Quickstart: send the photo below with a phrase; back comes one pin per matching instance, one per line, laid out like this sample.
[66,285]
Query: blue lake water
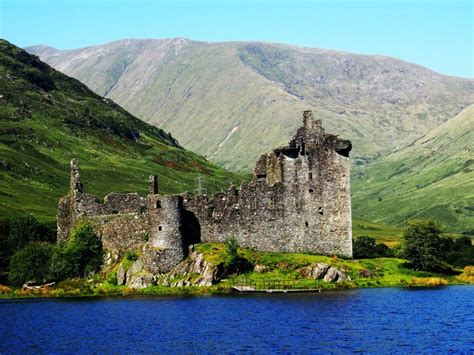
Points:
[387,320]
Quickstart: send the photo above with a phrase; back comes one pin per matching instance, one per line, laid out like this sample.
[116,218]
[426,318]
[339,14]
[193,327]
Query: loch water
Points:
[388,320]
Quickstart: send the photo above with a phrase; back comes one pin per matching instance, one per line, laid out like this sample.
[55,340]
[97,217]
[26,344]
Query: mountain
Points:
[431,178]
[233,101]
[47,118]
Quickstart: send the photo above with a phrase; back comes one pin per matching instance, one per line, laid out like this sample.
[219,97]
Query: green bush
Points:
[81,256]
[233,262]
[365,247]
[32,263]
[423,246]
[460,252]
[23,230]
[112,278]
[131,255]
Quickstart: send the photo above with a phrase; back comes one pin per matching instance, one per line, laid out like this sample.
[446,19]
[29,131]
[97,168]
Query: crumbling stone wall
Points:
[123,221]
[120,233]
[297,201]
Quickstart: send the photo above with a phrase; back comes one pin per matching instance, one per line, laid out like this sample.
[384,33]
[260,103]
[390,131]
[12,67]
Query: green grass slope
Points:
[47,118]
[231,101]
[431,178]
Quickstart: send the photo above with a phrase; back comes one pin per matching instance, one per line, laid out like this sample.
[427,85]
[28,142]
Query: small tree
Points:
[27,229]
[365,247]
[231,254]
[32,263]
[422,245]
[234,263]
[81,255]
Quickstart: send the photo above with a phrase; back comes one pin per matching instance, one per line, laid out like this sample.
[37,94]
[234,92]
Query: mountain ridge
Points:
[380,103]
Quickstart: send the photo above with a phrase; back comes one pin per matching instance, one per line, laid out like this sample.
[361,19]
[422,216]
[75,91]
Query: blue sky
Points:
[436,34]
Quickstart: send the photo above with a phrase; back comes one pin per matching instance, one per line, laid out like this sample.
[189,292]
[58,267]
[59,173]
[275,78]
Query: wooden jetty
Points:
[250,289]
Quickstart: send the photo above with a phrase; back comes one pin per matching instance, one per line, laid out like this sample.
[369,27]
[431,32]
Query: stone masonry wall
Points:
[298,201]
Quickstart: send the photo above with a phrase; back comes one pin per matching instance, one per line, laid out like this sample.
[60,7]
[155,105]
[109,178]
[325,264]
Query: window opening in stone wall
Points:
[306,224]
[114,211]
[142,209]
[160,228]
[320,210]
[310,175]
[311,190]
[158,204]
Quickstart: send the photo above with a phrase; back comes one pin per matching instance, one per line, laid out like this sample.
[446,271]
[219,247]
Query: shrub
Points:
[32,263]
[27,229]
[460,252]
[423,246]
[82,255]
[365,247]
[131,255]
[233,262]
[112,278]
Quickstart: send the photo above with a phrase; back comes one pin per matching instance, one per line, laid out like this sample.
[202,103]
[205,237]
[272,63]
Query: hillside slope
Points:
[47,118]
[431,178]
[232,101]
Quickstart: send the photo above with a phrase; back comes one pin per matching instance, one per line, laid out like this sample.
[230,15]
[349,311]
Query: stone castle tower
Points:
[297,201]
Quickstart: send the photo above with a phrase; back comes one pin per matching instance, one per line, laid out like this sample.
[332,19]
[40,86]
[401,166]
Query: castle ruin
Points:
[298,201]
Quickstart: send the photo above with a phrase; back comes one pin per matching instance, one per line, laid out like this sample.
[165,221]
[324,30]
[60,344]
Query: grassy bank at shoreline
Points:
[364,273]
[222,289]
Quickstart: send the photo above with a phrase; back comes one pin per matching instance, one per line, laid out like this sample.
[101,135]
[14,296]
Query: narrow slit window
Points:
[320,210]
[158,204]
[306,224]
[160,228]
[310,175]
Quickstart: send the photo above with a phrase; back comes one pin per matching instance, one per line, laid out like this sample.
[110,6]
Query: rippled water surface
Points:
[371,320]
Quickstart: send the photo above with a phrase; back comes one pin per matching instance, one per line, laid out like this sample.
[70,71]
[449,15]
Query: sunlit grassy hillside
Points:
[431,178]
[47,118]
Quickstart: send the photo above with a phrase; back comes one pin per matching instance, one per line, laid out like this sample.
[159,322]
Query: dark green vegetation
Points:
[425,248]
[47,118]
[39,259]
[80,257]
[431,178]
[235,263]
[366,247]
[32,263]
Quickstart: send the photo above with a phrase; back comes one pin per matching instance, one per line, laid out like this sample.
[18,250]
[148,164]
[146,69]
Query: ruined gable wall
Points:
[65,218]
[299,200]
